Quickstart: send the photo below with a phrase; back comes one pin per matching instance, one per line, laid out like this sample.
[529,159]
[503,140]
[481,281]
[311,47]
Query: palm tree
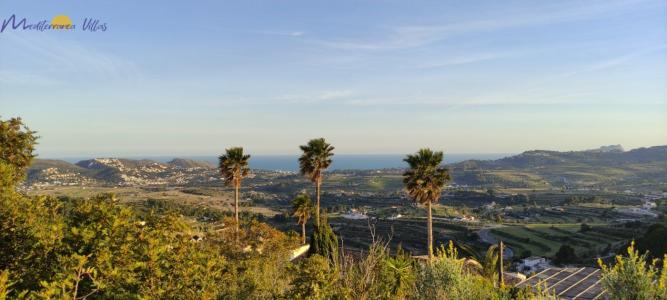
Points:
[233,167]
[302,208]
[424,182]
[490,264]
[315,159]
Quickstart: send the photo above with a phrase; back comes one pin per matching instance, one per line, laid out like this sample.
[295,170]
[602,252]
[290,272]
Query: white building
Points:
[354,214]
[533,263]
[637,211]
[649,205]
[490,206]
[394,217]
[467,219]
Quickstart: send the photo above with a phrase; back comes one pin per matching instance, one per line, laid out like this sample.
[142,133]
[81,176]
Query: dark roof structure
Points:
[569,283]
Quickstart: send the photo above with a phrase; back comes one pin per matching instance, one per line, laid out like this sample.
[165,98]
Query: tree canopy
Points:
[425,178]
[316,158]
[17,143]
[234,165]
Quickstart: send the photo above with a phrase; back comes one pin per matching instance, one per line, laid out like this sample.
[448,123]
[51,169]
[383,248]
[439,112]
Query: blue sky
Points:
[191,78]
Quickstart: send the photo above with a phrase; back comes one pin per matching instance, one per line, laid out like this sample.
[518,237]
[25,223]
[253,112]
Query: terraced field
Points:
[365,183]
[546,239]
[571,214]
[409,233]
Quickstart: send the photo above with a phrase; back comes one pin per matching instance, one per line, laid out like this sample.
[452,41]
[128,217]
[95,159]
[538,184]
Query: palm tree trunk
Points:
[236,207]
[318,185]
[303,233]
[501,279]
[430,232]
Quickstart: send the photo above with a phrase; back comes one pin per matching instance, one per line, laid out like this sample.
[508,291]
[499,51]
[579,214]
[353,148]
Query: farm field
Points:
[546,239]
[410,234]
[581,213]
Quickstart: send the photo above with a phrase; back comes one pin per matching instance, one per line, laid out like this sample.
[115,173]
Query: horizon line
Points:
[260,154]
[38,155]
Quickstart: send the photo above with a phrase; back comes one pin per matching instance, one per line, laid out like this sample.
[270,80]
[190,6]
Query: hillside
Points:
[188,163]
[591,168]
[122,172]
[59,172]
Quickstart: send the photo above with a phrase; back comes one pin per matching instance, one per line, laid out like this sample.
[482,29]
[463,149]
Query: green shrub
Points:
[565,255]
[4,284]
[653,241]
[378,275]
[315,279]
[324,242]
[446,278]
[632,277]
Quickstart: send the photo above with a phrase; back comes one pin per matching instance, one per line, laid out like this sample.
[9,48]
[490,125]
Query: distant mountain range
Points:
[607,166]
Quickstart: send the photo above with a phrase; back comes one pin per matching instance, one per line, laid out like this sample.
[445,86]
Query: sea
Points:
[340,161]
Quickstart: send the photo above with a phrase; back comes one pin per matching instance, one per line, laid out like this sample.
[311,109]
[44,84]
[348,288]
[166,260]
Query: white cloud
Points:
[282,33]
[615,61]
[317,97]
[16,77]
[417,100]
[68,59]
[411,36]
[461,60]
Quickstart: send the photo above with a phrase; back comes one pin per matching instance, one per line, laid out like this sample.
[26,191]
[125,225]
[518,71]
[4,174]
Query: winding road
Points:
[486,236]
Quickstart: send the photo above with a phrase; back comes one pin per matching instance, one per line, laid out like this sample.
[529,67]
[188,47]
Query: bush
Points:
[565,255]
[632,277]
[447,278]
[67,248]
[4,284]
[314,279]
[653,241]
[378,275]
[584,227]
[324,242]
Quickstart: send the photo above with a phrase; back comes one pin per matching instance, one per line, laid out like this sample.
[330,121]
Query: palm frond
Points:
[425,179]
[316,158]
[302,207]
[233,165]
